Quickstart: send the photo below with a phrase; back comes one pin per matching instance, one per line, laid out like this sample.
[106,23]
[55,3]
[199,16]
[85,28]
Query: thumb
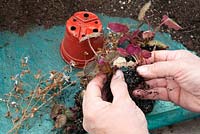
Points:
[159,69]
[118,86]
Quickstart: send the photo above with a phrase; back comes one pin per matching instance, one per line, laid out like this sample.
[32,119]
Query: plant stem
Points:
[92,47]
[23,118]
[8,102]
[158,27]
[139,25]
[53,96]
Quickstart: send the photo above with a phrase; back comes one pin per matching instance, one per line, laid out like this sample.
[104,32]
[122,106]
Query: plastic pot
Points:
[78,26]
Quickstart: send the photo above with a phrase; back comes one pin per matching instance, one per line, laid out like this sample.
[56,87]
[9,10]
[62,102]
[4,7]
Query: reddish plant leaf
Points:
[135,33]
[146,54]
[118,27]
[101,61]
[122,52]
[170,23]
[133,49]
[148,34]
[124,38]
[134,41]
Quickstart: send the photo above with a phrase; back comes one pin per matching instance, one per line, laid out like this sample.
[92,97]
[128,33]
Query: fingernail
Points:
[118,75]
[142,70]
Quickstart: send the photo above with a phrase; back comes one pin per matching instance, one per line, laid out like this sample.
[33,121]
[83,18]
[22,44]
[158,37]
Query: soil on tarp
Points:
[20,15]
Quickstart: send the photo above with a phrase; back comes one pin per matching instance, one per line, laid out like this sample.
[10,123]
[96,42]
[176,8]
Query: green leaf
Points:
[91,68]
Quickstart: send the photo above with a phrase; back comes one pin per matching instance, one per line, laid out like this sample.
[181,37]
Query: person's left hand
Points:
[122,116]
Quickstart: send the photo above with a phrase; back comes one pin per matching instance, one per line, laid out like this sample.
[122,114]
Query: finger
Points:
[119,87]
[160,82]
[93,90]
[159,93]
[164,55]
[170,93]
[92,95]
[160,69]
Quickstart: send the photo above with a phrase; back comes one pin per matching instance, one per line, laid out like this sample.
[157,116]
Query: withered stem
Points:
[92,47]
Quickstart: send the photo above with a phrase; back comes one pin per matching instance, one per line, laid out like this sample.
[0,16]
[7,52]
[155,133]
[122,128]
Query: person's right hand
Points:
[172,76]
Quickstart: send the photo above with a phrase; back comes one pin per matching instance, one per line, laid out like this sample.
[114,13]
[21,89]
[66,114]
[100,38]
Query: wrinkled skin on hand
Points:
[173,76]
[122,116]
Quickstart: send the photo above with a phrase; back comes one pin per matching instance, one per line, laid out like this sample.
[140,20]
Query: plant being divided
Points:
[125,50]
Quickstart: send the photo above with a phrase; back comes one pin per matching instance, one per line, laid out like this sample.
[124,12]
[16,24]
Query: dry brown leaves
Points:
[143,11]
[24,101]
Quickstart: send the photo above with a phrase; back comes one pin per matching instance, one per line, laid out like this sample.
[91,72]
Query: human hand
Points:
[122,116]
[173,76]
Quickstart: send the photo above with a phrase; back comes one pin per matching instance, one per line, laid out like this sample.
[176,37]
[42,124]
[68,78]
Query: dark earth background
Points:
[19,15]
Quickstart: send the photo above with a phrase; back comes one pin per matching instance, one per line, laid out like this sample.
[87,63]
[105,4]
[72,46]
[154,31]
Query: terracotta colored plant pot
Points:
[78,26]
